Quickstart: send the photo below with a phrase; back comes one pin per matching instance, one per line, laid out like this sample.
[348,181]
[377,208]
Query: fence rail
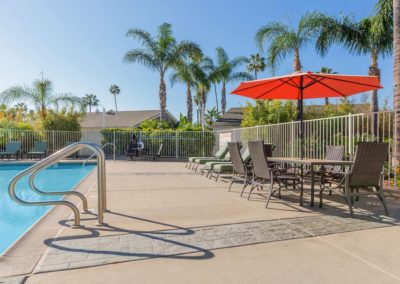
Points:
[176,144]
[345,130]
[342,130]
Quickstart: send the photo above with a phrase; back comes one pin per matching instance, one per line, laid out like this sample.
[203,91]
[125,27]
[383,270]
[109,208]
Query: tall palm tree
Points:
[41,95]
[225,72]
[364,37]
[203,76]
[396,73]
[91,100]
[256,64]
[285,39]
[114,90]
[184,73]
[326,70]
[160,53]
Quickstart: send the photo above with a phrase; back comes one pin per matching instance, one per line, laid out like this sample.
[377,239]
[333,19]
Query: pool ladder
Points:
[53,159]
[102,147]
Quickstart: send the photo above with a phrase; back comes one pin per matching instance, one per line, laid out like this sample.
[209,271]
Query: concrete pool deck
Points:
[170,225]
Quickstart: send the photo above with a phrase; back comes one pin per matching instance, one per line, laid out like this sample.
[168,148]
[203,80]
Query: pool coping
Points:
[54,211]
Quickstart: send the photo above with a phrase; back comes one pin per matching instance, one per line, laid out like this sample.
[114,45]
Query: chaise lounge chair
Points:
[203,161]
[218,155]
[40,149]
[12,149]
[217,168]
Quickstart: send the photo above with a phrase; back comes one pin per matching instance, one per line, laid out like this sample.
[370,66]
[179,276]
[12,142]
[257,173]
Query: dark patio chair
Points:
[366,173]
[155,154]
[241,170]
[264,174]
[12,149]
[40,149]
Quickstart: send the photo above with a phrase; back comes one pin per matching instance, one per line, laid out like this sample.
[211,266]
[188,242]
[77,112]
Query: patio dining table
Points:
[311,163]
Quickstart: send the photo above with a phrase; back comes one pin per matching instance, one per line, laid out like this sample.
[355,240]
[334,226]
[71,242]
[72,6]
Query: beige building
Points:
[121,119]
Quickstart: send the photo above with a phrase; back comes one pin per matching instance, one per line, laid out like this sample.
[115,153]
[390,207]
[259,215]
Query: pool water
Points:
[16,219]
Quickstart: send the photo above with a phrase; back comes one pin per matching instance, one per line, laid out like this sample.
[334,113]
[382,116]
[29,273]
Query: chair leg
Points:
[271,192]
[216,179]
[349,201]
[382,199]
[250,192]
[321,196]
[230,185]
[245,184]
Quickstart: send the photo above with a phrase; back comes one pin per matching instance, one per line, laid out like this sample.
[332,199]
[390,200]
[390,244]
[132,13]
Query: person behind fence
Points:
[133,148]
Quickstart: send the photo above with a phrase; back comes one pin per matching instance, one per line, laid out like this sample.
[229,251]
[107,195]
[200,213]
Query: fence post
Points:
[293,138]
[351,138]
[176,145]
[52,138]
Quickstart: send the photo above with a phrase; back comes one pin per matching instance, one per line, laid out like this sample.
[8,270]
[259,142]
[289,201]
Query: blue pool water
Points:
[16,219]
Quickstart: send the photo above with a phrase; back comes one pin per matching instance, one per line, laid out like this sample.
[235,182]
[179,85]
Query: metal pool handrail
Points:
[59,155]
[102,147]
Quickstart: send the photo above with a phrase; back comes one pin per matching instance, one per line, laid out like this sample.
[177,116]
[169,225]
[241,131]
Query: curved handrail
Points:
[63,153]
[102,147]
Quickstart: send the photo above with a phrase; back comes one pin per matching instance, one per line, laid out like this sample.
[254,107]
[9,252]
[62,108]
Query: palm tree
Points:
[284,39]
[184,74]
[256,64]
[396,73]
[364,37]
[212,115]
[225,72]
[114,90]
[91,100]
[203,76]
[160,53]
[41,95]
[326,70]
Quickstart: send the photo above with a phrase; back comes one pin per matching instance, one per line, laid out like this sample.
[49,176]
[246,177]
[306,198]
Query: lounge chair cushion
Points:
[211,165]
[222,152]
[223,168]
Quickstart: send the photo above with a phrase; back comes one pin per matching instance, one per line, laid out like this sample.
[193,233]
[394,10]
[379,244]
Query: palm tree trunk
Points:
[326,101]
[189,103]
[255,74]
[396,76]
[297,68]
[163,97]
[115,102]
[223,98]
[216,96]
[90,108]
[203,111]
[374,71]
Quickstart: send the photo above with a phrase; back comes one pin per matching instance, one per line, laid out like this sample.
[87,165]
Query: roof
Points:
[121,119]
[233,117]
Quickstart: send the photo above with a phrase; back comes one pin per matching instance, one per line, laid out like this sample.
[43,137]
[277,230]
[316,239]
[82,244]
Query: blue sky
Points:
[80,44]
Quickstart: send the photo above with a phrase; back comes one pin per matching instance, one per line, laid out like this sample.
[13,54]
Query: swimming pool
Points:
[16,219]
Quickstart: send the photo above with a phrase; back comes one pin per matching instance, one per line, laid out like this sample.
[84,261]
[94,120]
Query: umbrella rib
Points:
[273,89]
[254,86]
[314,81]
[291,79]
[351,82]
[329,87]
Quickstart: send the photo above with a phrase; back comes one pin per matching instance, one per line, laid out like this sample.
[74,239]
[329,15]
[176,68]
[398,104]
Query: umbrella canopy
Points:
[307,85]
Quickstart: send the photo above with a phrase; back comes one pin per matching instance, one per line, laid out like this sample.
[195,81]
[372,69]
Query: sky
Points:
[80,45]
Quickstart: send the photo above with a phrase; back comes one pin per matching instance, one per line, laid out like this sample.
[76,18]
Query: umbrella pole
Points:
[301,120]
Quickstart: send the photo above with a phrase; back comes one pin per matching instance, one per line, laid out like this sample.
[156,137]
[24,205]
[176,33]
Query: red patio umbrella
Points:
[307,85]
